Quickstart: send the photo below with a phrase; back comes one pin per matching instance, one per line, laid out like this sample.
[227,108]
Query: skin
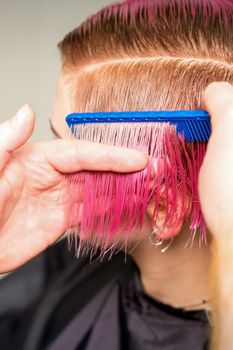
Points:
[177,277]
[31,182]
[216,195]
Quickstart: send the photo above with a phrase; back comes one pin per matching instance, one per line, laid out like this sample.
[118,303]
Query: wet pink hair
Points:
[143,55]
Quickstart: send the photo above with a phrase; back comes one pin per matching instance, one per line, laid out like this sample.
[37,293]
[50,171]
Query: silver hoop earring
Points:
[157,241]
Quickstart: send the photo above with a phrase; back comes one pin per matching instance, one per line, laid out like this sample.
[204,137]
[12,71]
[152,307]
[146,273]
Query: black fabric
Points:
[22,291]
[154,325]
[64,303]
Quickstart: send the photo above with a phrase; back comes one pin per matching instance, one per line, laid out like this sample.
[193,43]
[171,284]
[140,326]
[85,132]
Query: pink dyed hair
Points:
[144,55]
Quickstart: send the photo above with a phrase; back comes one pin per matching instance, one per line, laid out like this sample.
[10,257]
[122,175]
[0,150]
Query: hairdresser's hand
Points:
[216,176]
[32,185]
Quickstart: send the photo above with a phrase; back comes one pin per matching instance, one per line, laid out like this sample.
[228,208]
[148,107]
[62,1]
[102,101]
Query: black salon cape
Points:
[58,302]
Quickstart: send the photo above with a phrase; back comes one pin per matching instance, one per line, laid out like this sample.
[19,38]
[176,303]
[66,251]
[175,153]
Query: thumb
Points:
[15,132]
[218,100]
[215,178]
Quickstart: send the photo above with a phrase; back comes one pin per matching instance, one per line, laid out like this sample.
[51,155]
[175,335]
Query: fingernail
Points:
[20,116]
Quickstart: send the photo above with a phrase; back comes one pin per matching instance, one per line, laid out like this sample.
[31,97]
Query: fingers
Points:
[69,156]
[218,99]
[215,178]
[15,132]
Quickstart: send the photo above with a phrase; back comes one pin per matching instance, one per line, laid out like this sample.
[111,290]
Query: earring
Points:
[157,241]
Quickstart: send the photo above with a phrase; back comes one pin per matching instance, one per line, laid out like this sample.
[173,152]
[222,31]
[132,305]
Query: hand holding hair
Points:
[216,196]
[215,179]
[32,184]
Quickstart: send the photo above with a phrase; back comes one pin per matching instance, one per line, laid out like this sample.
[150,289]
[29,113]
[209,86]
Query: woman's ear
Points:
[173,225]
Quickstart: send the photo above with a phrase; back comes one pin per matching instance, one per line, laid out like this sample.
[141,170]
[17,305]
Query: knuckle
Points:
[78,155]
[81,154]
[108,157]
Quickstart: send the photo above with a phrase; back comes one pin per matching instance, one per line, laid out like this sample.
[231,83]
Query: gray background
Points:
[29,59]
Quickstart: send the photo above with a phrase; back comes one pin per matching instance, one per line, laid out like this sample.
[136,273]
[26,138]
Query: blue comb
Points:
[195,124]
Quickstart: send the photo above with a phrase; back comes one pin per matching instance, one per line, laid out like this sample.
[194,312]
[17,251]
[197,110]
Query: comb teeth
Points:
[194,130]
[195,125]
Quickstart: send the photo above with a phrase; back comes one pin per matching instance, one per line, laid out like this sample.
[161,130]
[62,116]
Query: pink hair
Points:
[144,55]
[102,205]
